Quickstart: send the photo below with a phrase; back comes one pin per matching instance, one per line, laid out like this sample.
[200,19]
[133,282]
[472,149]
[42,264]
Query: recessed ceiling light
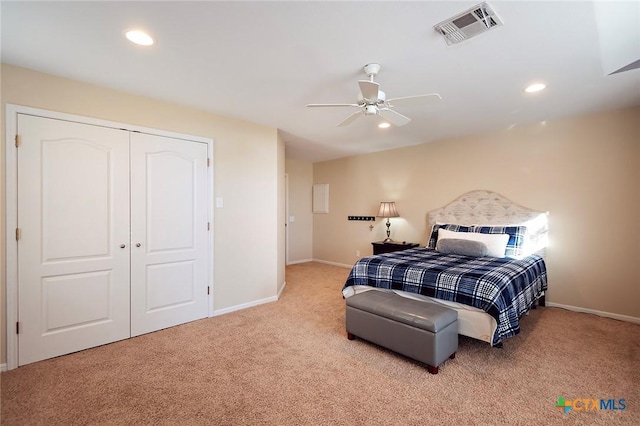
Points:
[535,88]
[139,37]
[384,125]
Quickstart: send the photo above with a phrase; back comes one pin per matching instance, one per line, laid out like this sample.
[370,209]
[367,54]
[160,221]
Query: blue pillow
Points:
[516,237]
[433,239]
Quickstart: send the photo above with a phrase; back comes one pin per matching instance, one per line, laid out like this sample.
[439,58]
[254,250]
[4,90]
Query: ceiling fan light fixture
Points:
[536,87]
[384,125]
[373,101]
[139,37]
[371,110]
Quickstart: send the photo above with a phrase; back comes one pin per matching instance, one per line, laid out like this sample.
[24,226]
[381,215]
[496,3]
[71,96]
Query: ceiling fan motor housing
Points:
[380,99]
[371,110]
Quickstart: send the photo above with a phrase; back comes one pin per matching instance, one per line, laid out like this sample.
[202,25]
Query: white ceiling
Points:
[264,61]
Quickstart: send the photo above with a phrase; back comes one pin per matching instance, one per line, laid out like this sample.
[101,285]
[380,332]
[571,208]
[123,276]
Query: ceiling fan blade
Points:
[350,118]
[331,105]
[393,117]
[369,89]
[415,100]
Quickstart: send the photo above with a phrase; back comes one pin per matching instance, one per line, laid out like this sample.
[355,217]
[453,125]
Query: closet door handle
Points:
[123,245]
[138,244]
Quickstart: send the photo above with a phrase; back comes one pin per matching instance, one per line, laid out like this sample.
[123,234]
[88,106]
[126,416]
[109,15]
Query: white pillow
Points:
[496,243]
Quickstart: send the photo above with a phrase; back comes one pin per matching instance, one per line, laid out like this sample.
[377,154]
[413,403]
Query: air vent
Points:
[469,23]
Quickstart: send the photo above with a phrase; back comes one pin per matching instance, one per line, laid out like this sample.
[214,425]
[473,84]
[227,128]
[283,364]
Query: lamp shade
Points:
[388,209]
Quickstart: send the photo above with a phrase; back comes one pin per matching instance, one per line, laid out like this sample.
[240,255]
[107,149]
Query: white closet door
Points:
[73,214]
[168,232]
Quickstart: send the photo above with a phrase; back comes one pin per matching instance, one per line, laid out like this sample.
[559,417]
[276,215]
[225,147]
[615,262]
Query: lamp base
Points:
[388,239]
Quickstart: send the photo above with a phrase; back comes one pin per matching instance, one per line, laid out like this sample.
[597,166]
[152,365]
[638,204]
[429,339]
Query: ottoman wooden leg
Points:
[432,370]
[453,355]
[350,336]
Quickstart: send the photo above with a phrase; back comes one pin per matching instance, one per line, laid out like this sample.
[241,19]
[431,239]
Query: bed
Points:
[490,293]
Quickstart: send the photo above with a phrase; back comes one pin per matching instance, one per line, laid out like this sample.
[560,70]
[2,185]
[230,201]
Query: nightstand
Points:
[380,247]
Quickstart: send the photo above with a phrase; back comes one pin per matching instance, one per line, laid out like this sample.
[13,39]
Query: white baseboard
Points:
[3,367]
[626,318]
[245,306]
[342,265]
[295,262]
[284,284]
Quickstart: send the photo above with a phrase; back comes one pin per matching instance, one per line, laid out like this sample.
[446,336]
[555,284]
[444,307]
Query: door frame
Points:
[286,219]
[11,206]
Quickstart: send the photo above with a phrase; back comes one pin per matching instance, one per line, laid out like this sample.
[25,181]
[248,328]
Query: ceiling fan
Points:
[372,101]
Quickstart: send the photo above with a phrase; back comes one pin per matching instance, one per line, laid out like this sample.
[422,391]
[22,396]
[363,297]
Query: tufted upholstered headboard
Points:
[483,207]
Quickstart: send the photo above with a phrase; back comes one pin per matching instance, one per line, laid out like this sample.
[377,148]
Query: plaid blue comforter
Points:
[505,288]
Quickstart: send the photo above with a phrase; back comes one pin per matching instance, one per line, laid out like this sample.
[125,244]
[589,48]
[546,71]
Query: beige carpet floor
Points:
[290,363]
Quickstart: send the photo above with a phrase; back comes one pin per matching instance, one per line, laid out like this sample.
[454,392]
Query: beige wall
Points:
[248,165]
[300,242]
[585,171]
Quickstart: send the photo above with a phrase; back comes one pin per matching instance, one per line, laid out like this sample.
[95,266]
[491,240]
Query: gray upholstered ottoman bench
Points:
[421,330]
